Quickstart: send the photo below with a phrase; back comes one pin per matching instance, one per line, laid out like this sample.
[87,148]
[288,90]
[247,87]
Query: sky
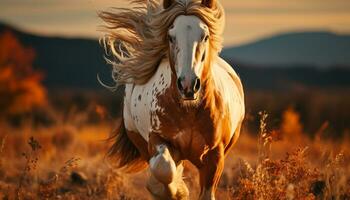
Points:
[246,20]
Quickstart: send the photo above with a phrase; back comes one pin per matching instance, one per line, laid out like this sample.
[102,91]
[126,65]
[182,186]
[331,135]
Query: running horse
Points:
[182,101]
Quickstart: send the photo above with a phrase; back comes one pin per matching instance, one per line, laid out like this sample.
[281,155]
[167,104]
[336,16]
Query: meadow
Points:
[60,153]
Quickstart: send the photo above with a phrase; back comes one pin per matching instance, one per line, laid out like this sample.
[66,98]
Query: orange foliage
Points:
[20,84]
[101,111]
[291,126]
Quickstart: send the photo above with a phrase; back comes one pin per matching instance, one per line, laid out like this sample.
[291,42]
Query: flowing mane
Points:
[136,38]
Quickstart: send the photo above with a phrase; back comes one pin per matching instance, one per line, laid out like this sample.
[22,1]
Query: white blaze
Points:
[188,33]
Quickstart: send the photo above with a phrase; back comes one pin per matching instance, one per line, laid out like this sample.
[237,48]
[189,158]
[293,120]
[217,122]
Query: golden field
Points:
[68,160]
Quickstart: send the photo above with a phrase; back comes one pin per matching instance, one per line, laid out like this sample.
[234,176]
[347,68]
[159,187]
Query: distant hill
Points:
[322,49]
[66,62]
[75,62]
[292,78]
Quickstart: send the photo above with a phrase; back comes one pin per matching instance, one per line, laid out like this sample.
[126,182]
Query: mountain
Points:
[289,78]
[74,63]
[322,49]
[66,62]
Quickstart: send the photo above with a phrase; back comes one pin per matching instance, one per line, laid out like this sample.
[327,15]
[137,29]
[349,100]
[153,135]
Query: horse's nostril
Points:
[197,85]
[179,84]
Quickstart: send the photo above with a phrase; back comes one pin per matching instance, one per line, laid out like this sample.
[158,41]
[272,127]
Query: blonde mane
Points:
[136,38]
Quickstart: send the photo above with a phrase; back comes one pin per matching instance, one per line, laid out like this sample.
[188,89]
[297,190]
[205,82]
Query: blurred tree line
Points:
[21,88]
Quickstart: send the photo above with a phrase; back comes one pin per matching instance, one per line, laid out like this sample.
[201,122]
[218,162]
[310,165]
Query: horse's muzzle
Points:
[188,88]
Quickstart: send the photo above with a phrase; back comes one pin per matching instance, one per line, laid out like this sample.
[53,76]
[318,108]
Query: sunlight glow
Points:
[247,20]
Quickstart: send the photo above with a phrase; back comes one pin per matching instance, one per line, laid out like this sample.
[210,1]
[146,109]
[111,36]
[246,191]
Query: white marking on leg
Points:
[162,165]
[207,194]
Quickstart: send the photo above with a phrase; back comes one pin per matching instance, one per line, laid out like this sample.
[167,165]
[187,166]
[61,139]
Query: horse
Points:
[182,101]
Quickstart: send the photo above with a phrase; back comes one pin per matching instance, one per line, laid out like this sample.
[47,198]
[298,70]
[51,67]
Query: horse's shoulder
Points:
[223,66]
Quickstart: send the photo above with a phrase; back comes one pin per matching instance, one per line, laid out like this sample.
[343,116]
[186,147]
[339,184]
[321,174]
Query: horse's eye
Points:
[203,57]
[206,38]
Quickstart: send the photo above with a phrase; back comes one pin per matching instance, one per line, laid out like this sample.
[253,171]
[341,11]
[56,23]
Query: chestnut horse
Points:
[182,101]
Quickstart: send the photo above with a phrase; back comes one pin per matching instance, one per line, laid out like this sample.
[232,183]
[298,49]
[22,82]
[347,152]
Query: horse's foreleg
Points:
[175,190]
[210,172]
[162,165]
[166,173]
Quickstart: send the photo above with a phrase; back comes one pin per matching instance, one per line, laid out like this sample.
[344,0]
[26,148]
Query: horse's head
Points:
[188,49]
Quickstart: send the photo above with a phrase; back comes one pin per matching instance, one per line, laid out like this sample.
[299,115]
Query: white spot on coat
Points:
[146,109]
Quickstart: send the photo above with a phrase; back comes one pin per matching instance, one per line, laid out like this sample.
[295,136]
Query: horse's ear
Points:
[167,3]
[208,3]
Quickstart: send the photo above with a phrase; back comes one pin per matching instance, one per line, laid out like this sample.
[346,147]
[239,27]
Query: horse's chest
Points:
[179,123]
[191,133]
[162,115]
[155,112]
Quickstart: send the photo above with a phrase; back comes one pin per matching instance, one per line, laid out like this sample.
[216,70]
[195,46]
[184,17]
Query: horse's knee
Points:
[176,190]
[162,165]
[166,177]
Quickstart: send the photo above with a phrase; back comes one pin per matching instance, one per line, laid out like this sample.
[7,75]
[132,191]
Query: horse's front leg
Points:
[166,171]
[210,172]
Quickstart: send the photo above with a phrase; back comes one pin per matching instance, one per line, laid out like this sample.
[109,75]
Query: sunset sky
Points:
[247,20]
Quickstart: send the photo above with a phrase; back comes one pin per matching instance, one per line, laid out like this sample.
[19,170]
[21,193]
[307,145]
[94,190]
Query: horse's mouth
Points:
[192,97]
[189,99]
[190,102]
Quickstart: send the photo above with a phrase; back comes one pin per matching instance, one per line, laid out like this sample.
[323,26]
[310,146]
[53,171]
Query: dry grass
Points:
[61,163]
[67,161]
[307,172]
